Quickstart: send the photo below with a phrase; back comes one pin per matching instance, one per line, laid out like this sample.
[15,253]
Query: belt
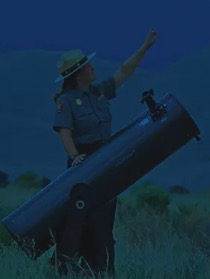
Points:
[89,147]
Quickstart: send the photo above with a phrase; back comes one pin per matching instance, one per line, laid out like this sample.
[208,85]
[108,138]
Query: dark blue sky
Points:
[114,29]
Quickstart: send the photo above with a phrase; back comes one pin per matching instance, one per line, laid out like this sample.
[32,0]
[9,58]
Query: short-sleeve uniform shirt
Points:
[87,114]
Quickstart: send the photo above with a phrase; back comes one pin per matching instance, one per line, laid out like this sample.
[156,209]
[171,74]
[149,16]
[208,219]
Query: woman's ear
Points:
[79,73]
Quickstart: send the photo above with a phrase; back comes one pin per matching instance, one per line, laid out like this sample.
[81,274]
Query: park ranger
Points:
[83,121]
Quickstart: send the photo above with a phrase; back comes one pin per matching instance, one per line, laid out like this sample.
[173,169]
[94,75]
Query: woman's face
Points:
[87,73]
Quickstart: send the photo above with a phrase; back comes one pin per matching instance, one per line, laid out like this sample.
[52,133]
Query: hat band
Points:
[69,70]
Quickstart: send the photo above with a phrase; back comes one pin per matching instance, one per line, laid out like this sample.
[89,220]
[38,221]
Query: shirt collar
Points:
[79,94]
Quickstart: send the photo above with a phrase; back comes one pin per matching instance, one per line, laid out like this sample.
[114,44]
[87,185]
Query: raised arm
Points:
[128,67]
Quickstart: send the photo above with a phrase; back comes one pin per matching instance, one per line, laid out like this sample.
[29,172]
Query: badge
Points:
[59,107]
[78,102]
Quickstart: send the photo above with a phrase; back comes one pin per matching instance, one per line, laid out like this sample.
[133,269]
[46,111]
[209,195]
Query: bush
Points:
[148,197]
[44,181]
[30,180]
[154,197]
[3,179]
[27,180]
[179,190]
[11,198]
[25,186]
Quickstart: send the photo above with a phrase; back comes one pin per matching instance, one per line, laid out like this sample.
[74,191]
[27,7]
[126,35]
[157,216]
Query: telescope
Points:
[133,151]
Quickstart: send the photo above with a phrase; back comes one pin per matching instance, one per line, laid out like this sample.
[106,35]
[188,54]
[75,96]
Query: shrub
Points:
[154,197]
[3,179]
[148,197]
[30,180]
[12,197]
[27,180]
[44,181]
[179,190]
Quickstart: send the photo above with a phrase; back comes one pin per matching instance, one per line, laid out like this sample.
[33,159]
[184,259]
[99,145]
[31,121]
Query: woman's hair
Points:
[69,83]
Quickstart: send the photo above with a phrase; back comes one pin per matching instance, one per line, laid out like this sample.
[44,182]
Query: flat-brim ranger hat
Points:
[71,61]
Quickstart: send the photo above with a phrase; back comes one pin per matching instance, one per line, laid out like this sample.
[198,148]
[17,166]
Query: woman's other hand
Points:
[78,159]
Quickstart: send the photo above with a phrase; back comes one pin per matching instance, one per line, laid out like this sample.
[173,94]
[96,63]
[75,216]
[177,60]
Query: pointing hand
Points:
[150,38]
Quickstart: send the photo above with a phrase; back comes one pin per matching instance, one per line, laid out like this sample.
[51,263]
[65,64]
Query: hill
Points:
[28,142]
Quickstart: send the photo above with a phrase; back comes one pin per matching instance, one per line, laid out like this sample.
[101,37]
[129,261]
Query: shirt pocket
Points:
[83,111]
[85,120]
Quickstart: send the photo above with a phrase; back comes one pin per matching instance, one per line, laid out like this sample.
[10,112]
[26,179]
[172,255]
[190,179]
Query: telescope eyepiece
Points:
[155,109]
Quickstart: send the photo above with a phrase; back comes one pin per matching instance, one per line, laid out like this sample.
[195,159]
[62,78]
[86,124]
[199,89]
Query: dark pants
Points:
[95,240]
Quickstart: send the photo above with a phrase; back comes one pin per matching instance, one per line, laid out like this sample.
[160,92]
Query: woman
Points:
[83,121]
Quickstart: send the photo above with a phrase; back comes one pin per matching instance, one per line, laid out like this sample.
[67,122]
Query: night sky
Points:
[114,29]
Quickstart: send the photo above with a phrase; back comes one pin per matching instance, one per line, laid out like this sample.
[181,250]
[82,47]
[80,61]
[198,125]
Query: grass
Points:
[171,244]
